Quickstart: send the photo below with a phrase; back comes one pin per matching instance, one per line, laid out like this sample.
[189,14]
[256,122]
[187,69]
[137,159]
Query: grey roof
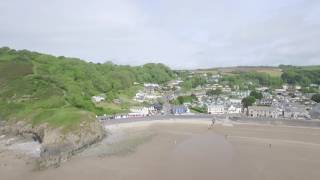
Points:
[264,108]
[315,112]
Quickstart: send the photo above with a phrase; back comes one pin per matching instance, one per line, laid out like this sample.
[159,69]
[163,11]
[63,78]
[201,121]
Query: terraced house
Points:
[263,112]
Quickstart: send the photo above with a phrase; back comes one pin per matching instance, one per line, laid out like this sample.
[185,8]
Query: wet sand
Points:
[191,151]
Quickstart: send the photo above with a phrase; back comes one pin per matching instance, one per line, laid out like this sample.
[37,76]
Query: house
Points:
[265,102]
[139,112]
[140,96]
[120,116]
[235,101]
[262,112]
[240,94]
[226,89]
[157,106]
[174,83]
[176,110]
[215,109]
[234,109]
[262,89]
[150,87]
[97,99]
[295,112]
[200,95]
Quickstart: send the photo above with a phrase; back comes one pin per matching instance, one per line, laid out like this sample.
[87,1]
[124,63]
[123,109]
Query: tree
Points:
[256,95]
[248,101]
[215,92]
[316,98]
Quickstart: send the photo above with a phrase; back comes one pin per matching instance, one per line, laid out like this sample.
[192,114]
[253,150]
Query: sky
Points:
[183,34]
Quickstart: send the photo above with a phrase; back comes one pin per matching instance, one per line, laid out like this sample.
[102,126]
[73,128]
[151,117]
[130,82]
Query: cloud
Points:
[180,33]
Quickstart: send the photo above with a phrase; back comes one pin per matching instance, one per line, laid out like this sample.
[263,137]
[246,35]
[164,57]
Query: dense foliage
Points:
[256,94]
[214,92]
[34,85]
[193,82]
[301,75]
[184,99]
[248,101]
[249,80]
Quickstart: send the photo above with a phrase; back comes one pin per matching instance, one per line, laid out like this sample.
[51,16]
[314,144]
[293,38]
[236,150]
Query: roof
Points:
[315,112]
[178,107]
[262,108]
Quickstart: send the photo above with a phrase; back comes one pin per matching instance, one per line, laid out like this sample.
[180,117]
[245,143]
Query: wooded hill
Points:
[40,88]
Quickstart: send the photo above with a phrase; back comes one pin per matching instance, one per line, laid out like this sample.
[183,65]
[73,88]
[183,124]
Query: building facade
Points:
[262,112]
[216,109]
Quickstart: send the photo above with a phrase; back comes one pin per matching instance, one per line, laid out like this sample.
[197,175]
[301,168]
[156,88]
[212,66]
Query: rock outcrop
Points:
[57,145]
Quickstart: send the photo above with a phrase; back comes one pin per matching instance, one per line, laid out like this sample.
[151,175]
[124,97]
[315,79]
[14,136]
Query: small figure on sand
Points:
[269,145]
[212,123]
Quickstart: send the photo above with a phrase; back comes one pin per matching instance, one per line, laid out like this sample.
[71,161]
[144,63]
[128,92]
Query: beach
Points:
[178,149]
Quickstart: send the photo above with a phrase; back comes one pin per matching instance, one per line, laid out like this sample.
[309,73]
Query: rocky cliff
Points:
[57,145]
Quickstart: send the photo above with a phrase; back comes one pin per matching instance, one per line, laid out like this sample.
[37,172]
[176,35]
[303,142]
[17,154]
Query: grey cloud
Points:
[180,33]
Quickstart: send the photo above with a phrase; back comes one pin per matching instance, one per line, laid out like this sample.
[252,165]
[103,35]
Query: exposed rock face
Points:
[58,146]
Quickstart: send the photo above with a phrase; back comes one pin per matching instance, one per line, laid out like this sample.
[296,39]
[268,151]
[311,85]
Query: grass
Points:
[10,70]
[41,88]
[276,72]
[68,118]
[126,99]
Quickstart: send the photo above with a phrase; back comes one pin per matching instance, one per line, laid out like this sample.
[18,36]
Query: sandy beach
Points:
[187,150]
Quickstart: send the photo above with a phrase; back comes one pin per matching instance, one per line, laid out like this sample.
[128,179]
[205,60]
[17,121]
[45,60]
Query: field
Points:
[272,71]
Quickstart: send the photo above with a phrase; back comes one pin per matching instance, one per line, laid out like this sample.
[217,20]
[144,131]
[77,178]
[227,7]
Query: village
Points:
[218,98]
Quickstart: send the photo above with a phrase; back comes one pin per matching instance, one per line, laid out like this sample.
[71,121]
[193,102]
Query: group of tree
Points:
[248,80]
[303,76]
[256,94]
[214,92]
[32,82]
[248,101]
[193,82]
[184,99]
[251,99]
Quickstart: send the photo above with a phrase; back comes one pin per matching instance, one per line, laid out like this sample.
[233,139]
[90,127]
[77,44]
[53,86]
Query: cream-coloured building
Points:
[216,109]
[263,112]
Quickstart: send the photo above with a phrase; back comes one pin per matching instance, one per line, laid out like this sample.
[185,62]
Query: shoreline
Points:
[132,123]
[146,123]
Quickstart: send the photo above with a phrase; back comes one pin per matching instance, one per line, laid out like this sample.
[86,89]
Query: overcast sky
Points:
[179,33]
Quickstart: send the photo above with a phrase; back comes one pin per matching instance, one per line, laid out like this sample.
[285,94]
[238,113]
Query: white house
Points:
[97,99]
[151,85]
[216,109]
[234,110]
[235,101]
[139,112]
[140,96]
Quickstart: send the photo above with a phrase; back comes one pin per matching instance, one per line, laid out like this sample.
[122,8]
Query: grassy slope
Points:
[27,95]
[40,88]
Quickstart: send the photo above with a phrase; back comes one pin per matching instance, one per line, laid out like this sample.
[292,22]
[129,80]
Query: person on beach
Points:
[212,123]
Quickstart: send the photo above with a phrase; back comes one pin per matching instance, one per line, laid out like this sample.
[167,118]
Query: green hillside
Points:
[41,88]
[302,75]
